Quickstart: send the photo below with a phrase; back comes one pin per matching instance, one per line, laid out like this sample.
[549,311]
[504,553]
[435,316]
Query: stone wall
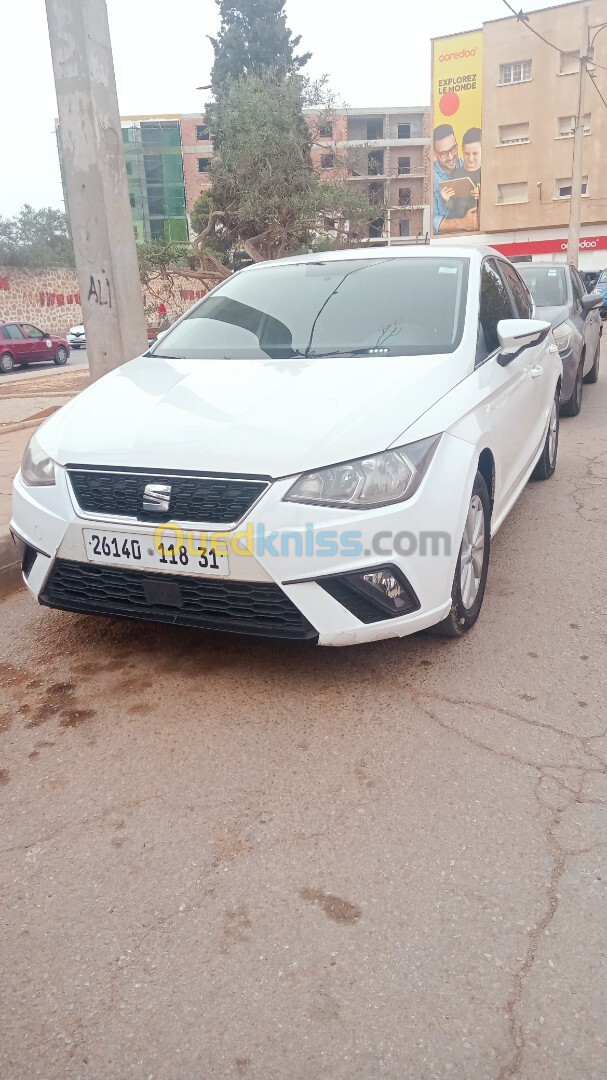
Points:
[50,299]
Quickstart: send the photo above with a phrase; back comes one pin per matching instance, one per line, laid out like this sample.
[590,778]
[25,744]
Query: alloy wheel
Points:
[472,554]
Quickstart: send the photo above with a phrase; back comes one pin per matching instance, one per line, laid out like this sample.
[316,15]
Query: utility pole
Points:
[96,184]
[575,210]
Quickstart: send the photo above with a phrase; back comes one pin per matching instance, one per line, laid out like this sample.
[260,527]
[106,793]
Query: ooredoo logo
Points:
[462,55]
[584,245]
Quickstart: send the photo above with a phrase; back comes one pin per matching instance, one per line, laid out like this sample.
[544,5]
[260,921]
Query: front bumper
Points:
[293,548]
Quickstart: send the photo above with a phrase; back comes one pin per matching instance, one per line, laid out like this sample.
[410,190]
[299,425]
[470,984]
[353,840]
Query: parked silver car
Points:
[560,298]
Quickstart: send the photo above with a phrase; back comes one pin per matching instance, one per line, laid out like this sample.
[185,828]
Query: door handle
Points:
[536,372]
[553,348]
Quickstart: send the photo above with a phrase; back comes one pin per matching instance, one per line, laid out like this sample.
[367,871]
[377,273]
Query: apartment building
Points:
[530,94]
[167,163]
[384,153]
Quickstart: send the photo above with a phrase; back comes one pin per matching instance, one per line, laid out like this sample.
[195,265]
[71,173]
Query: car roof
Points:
[546,265]
[412,251]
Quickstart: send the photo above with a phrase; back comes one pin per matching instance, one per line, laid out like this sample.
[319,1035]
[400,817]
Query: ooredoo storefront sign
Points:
[550,247]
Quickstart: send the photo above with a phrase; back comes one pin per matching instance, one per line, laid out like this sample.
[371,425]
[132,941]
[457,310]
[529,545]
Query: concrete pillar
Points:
[96,183]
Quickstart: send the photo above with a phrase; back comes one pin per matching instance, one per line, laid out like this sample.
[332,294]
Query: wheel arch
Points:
[486,467]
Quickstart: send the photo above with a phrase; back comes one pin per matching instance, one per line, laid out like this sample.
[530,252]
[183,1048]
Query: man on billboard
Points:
[454,187]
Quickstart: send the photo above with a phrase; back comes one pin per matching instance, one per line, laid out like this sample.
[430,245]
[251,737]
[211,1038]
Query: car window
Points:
[603,277]
[495,304]
[578,287]
[31,331]
[14,332]
[547,284]
[520,293]
[390,306]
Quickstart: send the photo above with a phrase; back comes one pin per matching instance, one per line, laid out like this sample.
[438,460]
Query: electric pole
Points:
[575,210]
[94,173]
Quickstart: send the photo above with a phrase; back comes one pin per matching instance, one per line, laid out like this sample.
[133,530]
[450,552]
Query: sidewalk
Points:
[24,404]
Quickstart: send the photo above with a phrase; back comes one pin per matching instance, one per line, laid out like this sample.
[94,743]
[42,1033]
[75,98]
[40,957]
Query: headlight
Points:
[373,481]
[37,468]
[562,336]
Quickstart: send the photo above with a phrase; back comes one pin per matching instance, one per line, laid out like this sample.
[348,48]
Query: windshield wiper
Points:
[369,350]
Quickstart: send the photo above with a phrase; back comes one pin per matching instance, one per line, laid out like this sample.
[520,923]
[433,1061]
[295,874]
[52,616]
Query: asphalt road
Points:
[77,359]
[224,858]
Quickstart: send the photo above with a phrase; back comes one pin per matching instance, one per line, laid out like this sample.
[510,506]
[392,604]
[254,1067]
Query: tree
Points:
[36,238]
[266,196]
[254,37]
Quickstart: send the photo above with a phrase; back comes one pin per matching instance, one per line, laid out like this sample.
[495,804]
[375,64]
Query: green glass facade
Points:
[154,166]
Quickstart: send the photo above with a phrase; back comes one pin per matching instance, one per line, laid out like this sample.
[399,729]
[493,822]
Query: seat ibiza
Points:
[321,449]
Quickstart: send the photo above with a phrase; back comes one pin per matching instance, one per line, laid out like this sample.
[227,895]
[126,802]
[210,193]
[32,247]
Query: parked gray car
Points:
[561,299]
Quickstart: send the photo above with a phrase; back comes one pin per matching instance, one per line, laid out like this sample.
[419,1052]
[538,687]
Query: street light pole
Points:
[575,210]
[96,183]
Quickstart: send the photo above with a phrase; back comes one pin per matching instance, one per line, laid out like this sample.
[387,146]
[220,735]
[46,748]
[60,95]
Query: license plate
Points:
[193,555]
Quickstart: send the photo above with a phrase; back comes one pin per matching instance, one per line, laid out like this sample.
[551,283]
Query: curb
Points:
[22,425]
[10,567]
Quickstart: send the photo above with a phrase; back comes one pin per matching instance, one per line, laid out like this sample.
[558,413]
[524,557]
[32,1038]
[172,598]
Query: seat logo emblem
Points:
[157,497]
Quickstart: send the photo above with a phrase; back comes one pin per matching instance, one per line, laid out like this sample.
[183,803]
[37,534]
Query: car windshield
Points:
[547,284]
[354,307]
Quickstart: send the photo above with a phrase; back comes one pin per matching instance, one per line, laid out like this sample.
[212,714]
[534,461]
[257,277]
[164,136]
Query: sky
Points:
[161,54]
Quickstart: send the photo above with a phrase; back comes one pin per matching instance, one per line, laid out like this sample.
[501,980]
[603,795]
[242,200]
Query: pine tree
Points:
[253,38]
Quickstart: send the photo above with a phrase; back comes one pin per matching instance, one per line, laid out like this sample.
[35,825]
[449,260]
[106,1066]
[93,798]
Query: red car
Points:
[21,343]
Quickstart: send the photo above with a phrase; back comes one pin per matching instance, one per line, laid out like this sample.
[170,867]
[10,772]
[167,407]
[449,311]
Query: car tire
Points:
[61,356]
[7,363]
[547,462]
[574,405]
[593,374]
[469,587]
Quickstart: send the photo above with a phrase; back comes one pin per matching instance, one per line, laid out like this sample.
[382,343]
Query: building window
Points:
[202,133]
[519,71]
[404,227]
[375,128]
[570,62]
[129,168]
[376,228]
[404,166]
[513,133]
[132,199]
[376,193]
[327,161]
[512,193]
[404,131]
[404,196]
[203,164]
[564,187]
[325,131]
[566,126]
[376,163]
[329,223]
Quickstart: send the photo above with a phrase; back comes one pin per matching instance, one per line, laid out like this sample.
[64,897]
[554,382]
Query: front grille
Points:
[198,499]
[238,607]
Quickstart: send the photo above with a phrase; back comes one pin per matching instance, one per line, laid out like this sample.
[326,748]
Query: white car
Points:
[76,337]
[320,449]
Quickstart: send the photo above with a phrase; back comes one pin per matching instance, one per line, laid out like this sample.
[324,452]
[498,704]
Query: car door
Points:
[589,322]
[39,345]
[541,373]
[17,343]
[512,406]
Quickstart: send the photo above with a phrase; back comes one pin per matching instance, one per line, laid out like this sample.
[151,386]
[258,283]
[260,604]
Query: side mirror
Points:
[516,335]
[592,300]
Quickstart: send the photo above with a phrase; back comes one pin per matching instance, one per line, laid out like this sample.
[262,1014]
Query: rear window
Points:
[352,307]
[547,284]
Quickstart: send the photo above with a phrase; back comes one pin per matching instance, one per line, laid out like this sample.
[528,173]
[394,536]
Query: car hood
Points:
[554,315]
[271,418]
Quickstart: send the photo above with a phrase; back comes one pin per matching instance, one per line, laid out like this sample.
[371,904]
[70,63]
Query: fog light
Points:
[386,589]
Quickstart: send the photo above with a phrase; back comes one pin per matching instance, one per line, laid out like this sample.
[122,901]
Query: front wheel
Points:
[593,374]
[472,565]
[6,363]
[547,463]
[61,356]
[573,406]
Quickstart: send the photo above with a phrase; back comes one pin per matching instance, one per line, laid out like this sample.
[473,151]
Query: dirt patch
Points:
[341,911]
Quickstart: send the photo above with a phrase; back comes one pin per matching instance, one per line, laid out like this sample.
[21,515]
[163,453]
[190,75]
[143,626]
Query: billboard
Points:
[457,84]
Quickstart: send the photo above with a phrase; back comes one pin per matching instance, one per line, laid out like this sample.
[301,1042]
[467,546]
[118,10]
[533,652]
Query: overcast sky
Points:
[161,54]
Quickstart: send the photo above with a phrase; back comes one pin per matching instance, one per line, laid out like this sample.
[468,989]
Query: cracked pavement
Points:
[231,858]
